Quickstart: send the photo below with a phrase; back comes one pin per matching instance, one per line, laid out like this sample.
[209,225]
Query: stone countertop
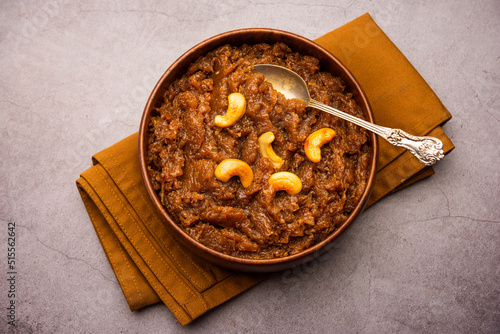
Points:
[75,78]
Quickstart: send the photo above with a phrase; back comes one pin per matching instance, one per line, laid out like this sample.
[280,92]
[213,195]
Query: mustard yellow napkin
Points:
[151,266]
[399,96]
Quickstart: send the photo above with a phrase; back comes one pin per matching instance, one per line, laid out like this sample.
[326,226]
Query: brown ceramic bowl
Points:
[297,43]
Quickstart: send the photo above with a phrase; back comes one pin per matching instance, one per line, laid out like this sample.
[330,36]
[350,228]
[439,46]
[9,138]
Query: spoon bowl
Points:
[428,150]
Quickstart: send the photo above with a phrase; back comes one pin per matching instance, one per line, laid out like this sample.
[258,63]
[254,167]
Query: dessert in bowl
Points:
[243,176]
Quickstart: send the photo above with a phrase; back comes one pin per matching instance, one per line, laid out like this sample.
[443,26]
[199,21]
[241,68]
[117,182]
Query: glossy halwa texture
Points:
[185,146]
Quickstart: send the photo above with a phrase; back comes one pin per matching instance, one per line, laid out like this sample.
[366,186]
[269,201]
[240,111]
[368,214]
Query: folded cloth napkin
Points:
[399,96]
[151,266]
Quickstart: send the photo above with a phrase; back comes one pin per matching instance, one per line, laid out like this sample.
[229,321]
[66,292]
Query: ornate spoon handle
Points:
[428,150]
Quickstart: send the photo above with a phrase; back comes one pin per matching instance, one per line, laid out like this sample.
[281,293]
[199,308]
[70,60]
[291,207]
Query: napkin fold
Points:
[151,266]
[399,97]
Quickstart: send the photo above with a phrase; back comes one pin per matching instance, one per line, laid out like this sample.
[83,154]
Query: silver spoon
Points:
[428,150]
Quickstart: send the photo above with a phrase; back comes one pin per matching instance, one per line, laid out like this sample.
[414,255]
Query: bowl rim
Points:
[230,261]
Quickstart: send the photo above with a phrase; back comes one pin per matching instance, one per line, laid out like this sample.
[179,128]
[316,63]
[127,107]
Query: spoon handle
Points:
[428,150]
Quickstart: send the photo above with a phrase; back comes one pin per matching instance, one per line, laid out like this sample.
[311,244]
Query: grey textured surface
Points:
[75,78]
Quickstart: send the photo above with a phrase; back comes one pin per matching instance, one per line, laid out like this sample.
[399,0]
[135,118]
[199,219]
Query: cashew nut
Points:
[231,167]
[235,110]
[267,151]
[315,140]
[286,181]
